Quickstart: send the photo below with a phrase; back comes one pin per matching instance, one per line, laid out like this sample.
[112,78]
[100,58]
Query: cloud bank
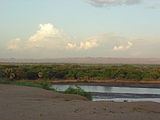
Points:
[100,3]
[51,42]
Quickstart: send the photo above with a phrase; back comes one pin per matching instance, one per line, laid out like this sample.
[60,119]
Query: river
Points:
[118,94]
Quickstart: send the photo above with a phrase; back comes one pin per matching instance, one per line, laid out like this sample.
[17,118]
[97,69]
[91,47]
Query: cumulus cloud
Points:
[44,33]
[101,3]
[88,44]
[123,47]
[49,37]
[85,45]
[71,46]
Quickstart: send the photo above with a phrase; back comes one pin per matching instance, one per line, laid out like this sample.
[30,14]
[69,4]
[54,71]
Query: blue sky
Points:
[86,28]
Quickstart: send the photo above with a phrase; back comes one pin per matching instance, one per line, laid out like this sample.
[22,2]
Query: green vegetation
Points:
[42,84]
[5,81]
[78,91]
[26,83]
[79,72]
[17,74]
[46,85]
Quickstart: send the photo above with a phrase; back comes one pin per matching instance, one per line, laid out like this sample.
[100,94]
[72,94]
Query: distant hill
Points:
[87,60]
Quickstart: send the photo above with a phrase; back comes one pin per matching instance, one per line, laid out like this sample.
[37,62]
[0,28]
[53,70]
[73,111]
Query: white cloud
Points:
[88,44]
[84,45]
[71,46]
[91,42]
[123,47]
[101,3]
[47,37]
[46,31]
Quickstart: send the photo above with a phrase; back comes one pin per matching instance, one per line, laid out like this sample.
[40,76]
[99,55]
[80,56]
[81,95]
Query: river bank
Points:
[109,83]
[23,103]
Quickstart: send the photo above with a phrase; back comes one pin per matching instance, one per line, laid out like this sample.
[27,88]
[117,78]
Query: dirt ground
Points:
[27,103]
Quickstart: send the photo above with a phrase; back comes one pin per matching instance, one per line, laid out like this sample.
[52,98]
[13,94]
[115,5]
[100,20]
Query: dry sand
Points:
[27,103]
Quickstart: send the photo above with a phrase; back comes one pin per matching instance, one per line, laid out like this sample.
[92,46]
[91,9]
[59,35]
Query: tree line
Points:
[79,72]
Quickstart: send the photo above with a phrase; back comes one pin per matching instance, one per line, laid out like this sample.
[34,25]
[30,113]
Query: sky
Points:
[79,28]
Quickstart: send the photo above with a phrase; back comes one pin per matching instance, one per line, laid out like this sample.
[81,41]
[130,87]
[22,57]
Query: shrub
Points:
[32,75]
[78,91]
[45,85]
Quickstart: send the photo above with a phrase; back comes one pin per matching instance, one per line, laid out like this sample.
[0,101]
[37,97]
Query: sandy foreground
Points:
[27,103]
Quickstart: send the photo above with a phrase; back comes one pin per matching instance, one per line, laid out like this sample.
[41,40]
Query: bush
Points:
[78,91]
[45,85]
[32,75]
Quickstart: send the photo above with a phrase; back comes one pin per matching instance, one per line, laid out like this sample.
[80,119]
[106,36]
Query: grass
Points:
[30,84]
[42,84]
[4,81]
